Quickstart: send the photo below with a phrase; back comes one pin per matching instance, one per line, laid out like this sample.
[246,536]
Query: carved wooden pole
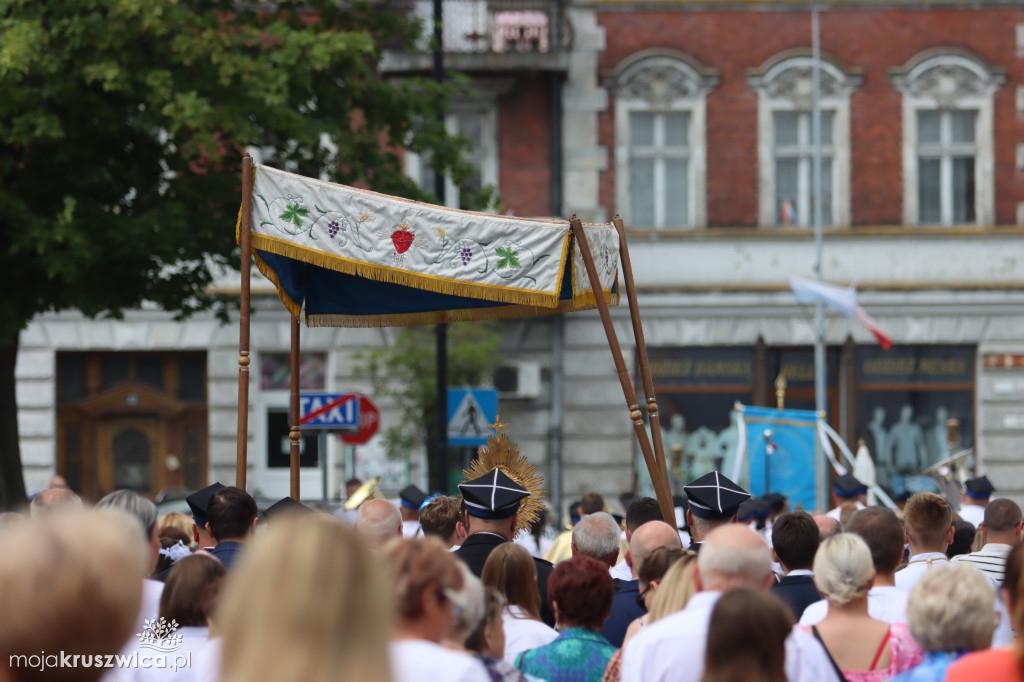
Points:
[294,434]
[641,350]
[661,487]
[245,242]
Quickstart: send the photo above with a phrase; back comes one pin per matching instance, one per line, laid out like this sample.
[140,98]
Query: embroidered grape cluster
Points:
[606,258]
[332,228]
[465,255]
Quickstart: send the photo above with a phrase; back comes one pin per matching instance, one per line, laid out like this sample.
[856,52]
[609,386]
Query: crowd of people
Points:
[442,588]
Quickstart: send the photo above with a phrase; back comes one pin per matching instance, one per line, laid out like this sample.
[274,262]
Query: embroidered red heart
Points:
[402,239]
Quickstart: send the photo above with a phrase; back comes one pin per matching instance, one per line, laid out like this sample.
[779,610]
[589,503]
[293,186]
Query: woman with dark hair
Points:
[747,638]
[511,571]
[188,599]
[1005,663]
[581,592]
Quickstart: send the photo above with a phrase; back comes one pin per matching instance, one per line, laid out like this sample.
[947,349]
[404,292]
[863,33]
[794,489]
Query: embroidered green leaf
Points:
[294,213]
[508,257]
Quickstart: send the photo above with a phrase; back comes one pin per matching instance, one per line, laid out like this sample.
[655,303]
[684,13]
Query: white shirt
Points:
[972,513]
[415,660]
[834,513]
[884,603]
[193,641]
[206,663]
[410,529]
[908,576]
[672,649]
[621,571]
[522,633]
[990,559]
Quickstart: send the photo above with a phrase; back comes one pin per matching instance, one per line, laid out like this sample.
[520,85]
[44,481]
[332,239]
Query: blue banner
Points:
[780,452]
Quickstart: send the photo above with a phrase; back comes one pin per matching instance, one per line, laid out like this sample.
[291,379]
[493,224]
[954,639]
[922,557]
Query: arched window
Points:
[948,141]
[784,87]
[660,144]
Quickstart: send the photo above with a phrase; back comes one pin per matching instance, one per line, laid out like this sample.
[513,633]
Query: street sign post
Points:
[470,410]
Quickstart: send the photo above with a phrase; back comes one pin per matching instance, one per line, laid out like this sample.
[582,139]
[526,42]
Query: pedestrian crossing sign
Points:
[470,410]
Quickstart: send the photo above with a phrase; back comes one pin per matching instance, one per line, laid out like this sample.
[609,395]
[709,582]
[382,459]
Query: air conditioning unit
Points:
[518,380]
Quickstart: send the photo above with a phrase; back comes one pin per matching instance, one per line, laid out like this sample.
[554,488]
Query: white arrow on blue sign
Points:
[338,411]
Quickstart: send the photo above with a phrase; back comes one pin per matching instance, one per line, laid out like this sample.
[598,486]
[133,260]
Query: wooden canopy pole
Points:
[245,242]
[294,434]
[661,487]
[641,350]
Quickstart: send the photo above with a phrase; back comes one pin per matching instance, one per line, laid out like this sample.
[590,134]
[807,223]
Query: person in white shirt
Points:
[1002,531]
[731,556]
[883,533]
[411,500]
[928,520]
[846,488]
[976,495]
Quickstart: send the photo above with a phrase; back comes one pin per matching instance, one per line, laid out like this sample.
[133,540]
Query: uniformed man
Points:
[845,489]
[976,494]
[712,500]
[491,518]
[412,498]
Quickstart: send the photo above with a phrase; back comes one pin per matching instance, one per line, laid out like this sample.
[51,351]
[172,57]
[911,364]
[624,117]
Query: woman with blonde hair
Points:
[427,585]
[511,571]
[308,604]
[747,638]
[863,648]
[950,613]
[653,578]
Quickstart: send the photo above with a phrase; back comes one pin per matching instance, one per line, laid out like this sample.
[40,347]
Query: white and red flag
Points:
[843,300]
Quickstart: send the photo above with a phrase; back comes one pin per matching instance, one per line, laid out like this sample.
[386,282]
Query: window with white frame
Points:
[948,139]
[479,125]
[786,145]
[660,149]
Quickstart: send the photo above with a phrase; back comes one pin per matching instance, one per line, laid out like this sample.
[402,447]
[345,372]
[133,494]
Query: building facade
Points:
[693,121]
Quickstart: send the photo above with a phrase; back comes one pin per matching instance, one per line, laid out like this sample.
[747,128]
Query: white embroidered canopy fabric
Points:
[493,257]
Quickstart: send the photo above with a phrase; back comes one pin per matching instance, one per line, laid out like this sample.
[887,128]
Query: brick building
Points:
[693,121]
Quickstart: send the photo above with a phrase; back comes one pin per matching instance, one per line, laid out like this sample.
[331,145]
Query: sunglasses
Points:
[640,601]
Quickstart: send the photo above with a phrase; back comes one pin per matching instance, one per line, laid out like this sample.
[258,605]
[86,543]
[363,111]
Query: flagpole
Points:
[819,312]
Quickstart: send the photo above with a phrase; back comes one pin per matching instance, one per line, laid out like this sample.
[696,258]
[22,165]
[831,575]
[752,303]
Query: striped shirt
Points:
[991,559]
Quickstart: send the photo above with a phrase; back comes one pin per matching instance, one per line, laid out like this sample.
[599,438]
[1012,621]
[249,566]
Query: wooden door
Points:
[129,454]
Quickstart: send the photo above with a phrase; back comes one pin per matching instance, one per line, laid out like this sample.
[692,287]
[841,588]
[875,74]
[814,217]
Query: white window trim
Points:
[836,87]
[489,174]
[918,96]
[688,94]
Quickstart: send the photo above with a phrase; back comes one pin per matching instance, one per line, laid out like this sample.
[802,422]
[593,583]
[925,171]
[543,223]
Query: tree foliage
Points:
[122,126]
[406,371]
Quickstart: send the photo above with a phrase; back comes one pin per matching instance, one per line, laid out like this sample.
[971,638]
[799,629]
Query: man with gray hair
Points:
[733,556]
[54,499]
[1002,531]
[597,536]
[378,521]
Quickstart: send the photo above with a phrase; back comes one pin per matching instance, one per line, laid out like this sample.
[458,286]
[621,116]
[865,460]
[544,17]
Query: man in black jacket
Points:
[490,516]
[794,543]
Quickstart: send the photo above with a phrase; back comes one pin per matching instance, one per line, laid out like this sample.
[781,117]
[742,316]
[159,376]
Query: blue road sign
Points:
[470,410]
[338,411]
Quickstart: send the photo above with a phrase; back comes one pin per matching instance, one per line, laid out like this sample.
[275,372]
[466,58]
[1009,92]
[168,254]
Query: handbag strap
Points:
[835,666]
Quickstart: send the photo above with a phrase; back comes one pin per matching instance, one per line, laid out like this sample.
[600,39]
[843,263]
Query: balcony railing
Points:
[491,26]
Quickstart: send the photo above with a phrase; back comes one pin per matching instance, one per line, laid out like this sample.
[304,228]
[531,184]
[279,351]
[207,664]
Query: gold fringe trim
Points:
[382,273]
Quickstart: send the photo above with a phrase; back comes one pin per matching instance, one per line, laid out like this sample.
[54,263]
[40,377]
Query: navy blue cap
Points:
[412,497]
[714,497]
[848,486]
[198,500]
[754,508]
[979,488]
[284,506]
[492,496]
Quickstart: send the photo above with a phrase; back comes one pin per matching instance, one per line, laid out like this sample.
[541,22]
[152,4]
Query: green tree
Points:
[122,126]
[407,372]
